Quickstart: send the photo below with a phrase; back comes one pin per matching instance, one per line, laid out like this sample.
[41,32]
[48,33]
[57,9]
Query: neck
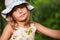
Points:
[25,23]
[22,23]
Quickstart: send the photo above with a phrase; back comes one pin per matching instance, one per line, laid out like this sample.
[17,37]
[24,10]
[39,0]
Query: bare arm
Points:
[49,32]
[6,32]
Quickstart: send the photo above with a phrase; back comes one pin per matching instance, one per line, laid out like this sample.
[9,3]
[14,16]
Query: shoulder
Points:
[8,28]
[36,24]
[7,32]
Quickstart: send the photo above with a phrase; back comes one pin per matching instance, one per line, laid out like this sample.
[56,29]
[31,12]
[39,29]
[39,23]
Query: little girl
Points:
[19,26]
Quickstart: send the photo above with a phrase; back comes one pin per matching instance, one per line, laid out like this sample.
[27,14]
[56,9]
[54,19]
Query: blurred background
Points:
[46,12]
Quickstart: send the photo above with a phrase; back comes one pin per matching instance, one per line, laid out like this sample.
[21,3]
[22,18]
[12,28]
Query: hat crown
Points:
[10,2]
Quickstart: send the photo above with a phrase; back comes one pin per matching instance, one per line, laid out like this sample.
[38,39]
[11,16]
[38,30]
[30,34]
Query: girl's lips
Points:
[22,14]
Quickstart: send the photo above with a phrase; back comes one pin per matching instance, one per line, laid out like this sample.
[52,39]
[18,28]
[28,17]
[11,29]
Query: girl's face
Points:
[21,14]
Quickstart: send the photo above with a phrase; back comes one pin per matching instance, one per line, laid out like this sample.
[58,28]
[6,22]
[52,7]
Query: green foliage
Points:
[46,12]
[2,21]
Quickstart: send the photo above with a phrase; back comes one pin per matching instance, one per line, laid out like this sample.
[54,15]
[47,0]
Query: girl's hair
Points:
[9,15]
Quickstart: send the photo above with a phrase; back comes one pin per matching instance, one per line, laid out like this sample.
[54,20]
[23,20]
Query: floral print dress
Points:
[24,34]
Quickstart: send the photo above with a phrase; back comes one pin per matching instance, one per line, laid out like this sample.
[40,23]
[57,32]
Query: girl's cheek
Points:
[15,14]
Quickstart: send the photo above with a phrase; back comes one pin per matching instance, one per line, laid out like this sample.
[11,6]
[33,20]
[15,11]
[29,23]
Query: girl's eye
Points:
[15,8]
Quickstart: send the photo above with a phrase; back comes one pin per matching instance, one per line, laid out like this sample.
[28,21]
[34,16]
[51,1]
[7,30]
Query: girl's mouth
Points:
[22,15]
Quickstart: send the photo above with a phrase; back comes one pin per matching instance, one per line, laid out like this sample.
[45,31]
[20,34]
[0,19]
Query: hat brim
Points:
[8,9]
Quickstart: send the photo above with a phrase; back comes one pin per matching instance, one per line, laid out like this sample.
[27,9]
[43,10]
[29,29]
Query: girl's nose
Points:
[20,11]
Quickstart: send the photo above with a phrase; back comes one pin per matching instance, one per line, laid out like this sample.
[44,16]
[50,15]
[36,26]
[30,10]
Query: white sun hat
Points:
[10,4]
